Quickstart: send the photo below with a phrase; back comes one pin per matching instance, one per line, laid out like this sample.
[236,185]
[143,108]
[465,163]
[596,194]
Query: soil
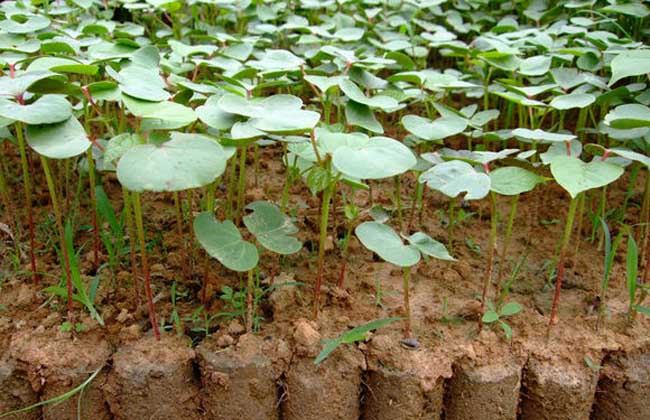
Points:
[154,380]
[456,370]
[556,390]
[242,381]
[624,390]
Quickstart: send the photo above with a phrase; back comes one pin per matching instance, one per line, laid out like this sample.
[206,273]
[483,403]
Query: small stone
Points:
[174,259]
[123,316]
[235,327]
[225,340]
[25,296]
[305,335]
[132,332]
[158,270]
[410,343]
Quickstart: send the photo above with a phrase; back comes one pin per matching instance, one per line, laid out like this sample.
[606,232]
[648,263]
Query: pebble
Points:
[410,343]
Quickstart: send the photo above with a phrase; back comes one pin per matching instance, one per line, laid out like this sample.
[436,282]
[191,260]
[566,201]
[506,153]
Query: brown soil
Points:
[237,376]
[241,382]
[484,392]
[554,390]
[327,391]
[154,380]
[56,362]
[624,390]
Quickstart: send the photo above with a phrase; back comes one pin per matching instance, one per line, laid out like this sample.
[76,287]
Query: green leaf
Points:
[632,268]
[535,66]
[376,158]
[506,329]
[213,116]
[317,179]
[636,9]
[512,180]
[106,212]
[164,115]
[360,115]
[119,145]
[511,308]
[356,334]
[272,228]
[434,130]
[628,116]
[642,310]
[223,241]
[489,317]
[572,100]
[47,109]
[429,246]
[60,140]
[539,135]
[630,63]
[355,94]
[31,24]
[576,176]
[330,346]
[454,177]
[186,161]
[383,240]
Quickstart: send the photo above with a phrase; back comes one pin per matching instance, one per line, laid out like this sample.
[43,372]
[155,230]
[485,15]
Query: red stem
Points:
[342,273]
[86,93]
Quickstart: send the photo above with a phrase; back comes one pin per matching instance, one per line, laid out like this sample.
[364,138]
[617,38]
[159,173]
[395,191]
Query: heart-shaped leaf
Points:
[223,241]
[119,144]
[628,116]
[29,24]
[47,109]
[429,246]
[186,161]
[163,115]
[512,180]
[383,240]
[19,84]
[60,140]
[454,177]
[576,176]
[374,158]
[272,228]
[355,94]
[541,136]
[572,100]
[630,63]
[360,115]
[434,130]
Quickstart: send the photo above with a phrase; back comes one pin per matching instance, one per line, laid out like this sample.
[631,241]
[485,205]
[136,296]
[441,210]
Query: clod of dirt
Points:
[398,395]
[327,391]
[56,363]
[235,327]
[306,338]
[624,389]
[557,390]
[403,383]
[489,392]
[15,391]
[153,380]
[240,382]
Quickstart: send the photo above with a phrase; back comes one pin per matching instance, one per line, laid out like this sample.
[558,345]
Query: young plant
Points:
[494,315]
[183,162]
[355,335]
[223,241]
[386,243]
[330,157]
[576,176]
